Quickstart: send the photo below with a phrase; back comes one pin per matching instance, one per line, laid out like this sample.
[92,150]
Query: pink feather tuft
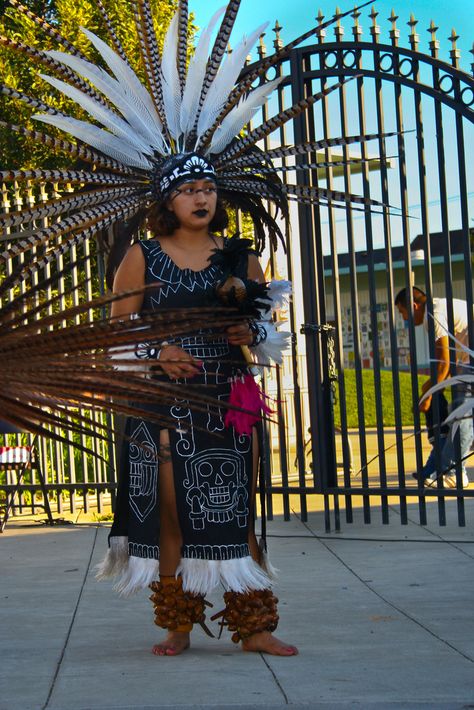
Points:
[246,394]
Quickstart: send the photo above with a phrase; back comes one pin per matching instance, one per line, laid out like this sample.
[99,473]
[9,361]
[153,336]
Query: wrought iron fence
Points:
[348,267]
[347,427]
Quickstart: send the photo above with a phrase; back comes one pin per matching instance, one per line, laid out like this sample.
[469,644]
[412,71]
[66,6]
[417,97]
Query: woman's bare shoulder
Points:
[132,266]
[134,255]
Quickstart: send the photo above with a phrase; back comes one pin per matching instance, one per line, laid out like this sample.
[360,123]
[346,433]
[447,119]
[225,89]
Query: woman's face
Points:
[194,203]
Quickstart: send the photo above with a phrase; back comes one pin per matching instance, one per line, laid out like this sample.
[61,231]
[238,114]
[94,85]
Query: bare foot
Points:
[175,643]
[265,642]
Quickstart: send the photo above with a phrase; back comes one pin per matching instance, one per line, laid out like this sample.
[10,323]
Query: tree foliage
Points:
[21,73]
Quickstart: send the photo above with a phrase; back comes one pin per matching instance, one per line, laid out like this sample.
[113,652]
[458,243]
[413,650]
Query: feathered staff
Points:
[52,365]
[133,129]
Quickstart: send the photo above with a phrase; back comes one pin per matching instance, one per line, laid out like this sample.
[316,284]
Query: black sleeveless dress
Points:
[212,464]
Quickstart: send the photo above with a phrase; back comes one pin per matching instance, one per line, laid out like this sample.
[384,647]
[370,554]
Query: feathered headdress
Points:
[140,139]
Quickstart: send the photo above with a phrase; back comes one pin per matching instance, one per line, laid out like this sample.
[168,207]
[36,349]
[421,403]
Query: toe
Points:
[159,650]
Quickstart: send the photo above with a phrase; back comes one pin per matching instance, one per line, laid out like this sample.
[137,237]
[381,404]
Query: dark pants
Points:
[430,417]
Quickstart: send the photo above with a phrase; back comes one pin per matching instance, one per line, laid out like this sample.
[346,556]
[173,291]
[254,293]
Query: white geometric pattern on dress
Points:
[143,459]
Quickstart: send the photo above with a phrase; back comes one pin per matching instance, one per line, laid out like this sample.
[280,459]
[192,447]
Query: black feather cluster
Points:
[256,300]
[233,258]
[234,288]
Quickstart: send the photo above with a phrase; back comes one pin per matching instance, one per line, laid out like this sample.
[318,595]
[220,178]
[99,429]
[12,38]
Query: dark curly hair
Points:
[162,222]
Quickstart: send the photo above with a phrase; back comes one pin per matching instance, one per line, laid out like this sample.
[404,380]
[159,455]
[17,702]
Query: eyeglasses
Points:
[191,191]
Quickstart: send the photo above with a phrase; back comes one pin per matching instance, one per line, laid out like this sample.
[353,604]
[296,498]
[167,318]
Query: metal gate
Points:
[358,354]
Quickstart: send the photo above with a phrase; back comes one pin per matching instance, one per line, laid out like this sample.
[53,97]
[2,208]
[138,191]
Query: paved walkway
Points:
[382,615]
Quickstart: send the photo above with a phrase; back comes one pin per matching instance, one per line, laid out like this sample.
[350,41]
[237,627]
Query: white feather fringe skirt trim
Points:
[199,576]
[115,560]
[132,573]
[239,575]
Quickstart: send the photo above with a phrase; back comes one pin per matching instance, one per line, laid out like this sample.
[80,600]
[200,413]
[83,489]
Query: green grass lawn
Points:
[406,398]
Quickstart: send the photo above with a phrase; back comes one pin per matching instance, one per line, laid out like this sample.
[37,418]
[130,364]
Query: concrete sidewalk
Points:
[382,616]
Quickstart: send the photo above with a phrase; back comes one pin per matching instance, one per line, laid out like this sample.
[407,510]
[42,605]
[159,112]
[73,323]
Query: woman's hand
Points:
[240,334]
[177,363]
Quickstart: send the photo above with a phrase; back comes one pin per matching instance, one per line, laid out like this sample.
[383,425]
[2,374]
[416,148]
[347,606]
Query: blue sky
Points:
[296,16]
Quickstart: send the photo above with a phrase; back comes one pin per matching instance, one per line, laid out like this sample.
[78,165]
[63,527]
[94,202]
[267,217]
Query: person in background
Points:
[442,338]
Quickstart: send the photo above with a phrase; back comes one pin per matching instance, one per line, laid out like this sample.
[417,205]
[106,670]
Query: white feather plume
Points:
[140,128]
[277,341]
[240,116]
[272,348]
[98,138]
[137,574]
[170,78]
[129,104]
[195,77]
[123,73]
[280,292]
[225,80]
[463,410]
[108,118]
[464,379]
[239,575]
[116,559]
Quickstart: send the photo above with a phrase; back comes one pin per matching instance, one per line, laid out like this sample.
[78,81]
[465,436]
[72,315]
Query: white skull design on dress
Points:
[217,488]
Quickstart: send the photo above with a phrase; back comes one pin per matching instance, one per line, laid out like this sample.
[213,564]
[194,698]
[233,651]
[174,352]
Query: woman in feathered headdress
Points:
[184,524]
[172,155]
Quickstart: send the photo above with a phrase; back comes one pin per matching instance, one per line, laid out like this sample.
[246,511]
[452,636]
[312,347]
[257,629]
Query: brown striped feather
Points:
[218,51]
[308,147]
[277,121]
[47,29]
[65,175]
[38,56]
[49,368]
[111,32]
[150,55]
[78,151]
[88,217]
[182,42]
[53,208]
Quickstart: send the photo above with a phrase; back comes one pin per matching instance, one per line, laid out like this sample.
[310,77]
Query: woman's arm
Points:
[269,342]
[130,275]
[254,270]
[242,334]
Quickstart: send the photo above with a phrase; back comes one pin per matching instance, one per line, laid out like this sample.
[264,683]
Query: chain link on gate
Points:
[327,330]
